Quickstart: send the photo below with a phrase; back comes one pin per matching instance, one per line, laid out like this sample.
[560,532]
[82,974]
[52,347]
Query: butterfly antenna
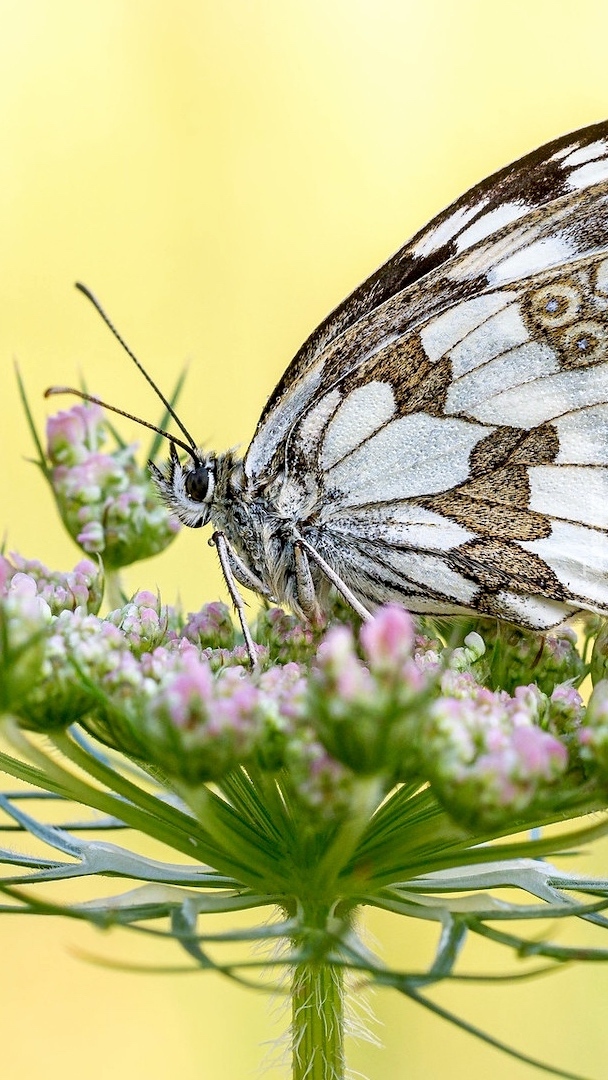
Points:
[53,390]
[95,302]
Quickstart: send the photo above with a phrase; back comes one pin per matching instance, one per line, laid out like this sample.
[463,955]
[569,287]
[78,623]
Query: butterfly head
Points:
[187,488]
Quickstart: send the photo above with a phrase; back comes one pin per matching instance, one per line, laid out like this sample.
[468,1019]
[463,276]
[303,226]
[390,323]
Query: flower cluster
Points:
[177,692]
[25,618]
[211,628]
[79,652]
[515,656]
[106,500]
[283,635]
[194,719]
[144,621]
[81,589]
[367,707]
[487,754]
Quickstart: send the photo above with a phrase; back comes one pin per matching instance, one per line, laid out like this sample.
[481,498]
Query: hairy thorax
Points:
[263,523]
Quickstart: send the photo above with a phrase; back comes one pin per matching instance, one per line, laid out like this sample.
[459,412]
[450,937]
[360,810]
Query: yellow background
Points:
[221,173]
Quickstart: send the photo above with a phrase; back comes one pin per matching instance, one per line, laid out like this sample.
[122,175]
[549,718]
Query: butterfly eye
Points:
[198,484]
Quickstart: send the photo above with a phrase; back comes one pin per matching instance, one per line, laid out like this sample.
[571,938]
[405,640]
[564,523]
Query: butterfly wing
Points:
[560,172]
[452,414]
[481,479]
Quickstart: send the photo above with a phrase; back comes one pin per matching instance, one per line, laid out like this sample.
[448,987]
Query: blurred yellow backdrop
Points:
[222,174]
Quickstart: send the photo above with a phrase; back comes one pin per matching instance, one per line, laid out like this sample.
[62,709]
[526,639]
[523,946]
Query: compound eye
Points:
[197,483]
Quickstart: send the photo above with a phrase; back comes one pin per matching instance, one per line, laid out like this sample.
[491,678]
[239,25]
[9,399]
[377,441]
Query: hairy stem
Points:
[317,1021]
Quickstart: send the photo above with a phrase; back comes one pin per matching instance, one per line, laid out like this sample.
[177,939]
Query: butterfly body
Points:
[441,440]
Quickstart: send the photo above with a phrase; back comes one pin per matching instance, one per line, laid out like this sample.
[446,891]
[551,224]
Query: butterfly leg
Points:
[243,574]
[226,556]
[335,579]
[307,597]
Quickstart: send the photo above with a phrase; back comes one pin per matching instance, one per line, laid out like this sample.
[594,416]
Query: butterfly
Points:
[441,439]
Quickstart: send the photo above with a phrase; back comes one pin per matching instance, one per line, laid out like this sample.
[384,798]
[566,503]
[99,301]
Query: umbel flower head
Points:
[387,704]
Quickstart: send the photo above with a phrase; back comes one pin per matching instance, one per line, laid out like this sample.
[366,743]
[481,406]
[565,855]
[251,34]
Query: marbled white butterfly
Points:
[441,440]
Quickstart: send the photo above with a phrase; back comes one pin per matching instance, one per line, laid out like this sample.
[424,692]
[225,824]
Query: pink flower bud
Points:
[388,639]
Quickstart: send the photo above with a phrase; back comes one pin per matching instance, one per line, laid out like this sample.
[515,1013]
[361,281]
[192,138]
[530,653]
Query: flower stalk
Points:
[317,1027]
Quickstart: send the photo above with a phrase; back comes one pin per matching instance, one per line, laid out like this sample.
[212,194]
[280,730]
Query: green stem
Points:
[113,591]
[317,1025]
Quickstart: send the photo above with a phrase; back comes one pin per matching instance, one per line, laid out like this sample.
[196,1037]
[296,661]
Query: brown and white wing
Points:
[513,224]
[464,465]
